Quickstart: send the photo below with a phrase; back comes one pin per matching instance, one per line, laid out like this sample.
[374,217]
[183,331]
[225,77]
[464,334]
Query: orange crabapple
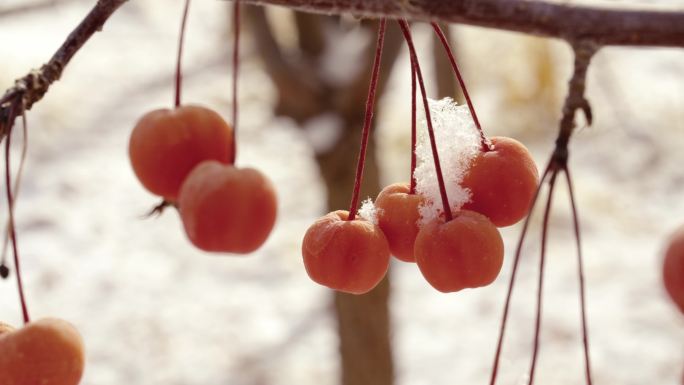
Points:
[398,217]
[47,351]
[350,256]
[502,182]
[166,144]
[466,252]
[673,268]
[227,209]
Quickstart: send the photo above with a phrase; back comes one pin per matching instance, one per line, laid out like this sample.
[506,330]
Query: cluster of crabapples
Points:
[47,351]
[465,252]
[186,156]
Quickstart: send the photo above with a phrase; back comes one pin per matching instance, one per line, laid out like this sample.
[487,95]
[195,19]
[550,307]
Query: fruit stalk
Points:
[181,38]
[370,103]
[12,229]
[483,140]
[236,68]
[403,24]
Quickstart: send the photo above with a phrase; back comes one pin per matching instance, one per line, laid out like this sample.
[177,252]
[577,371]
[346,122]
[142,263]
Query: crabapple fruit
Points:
[348,256]
[227,209]
[398,217]
[673,268]
[466,252]
[47,351]
[502,182]
[166,145]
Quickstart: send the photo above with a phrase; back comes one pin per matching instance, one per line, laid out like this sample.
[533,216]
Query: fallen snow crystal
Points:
[457,144]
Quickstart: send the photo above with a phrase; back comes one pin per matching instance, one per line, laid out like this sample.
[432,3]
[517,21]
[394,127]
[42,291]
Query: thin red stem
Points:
[181,38]
[368,119]
[580,273]
[452,59]
[540,282]
[511,283]
[413,128]
[17,183]
[236,68]
[403,24]
[12,229]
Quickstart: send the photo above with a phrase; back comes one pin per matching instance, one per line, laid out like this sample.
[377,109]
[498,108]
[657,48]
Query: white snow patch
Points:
[369,212]
[457,143]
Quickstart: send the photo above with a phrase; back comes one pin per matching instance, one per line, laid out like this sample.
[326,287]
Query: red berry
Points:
[502,182]
[166,145]
[48,351]
[227,209]
[466,252]
[673,268]
[398,218]
[349,256]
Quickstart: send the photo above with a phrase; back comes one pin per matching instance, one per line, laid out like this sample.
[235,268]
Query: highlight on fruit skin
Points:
[166,144]
[47,352]
[502,182]
[348,256]
[466,252]
[227,209]
[673,268]
[398,217]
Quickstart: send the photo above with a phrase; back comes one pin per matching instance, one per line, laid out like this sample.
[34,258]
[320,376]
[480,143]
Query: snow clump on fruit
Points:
[458,142]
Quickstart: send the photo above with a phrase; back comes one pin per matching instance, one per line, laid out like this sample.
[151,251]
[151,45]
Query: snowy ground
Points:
[153,310]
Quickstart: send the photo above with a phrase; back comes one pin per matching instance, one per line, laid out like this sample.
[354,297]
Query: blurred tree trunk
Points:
[304,93]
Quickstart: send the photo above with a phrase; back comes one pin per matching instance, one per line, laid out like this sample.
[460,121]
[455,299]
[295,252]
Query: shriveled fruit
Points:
[673,268]
[227,209]
[466,252]
[398,217]
[49,351]
[166,145]
[348,256]
[502,182]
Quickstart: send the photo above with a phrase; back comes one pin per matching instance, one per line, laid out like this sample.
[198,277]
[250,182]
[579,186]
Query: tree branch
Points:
[32,87]
[571,23]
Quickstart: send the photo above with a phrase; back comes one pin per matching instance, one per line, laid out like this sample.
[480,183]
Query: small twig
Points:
[32,87]
[159,209]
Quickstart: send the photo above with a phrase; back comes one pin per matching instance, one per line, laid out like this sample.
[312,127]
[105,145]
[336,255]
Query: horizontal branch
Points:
[572,23]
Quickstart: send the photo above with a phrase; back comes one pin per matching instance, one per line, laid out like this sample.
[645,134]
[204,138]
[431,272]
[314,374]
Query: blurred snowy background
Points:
[154,310]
